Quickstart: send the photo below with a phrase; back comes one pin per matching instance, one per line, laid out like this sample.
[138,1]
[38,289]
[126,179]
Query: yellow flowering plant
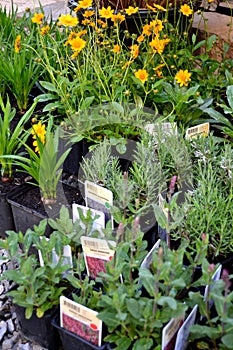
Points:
[19,70]
[99,62]
[43,161]
[89,60]
[9,139]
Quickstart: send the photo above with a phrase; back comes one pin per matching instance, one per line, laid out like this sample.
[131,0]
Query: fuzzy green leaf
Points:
[143,344]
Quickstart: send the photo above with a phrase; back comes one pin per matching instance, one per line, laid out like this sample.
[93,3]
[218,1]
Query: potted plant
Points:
[213,329]
[38,283]
[132,16]
[134,302]
[19,70]
[44,165]
[212,184]
[10,146]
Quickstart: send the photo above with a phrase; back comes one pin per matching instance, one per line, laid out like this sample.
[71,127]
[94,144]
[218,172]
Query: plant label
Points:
[96,253]
[80,320]
[216,277]
[66,255]
[183,333]
[169,332]
[146,263]
[98,216]
[162,130]
[163,231]
[198,130]
[99,198]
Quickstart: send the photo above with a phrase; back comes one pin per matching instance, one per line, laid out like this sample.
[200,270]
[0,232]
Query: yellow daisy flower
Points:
[68,20]
[38,131]
[77,44]
[106,12]
[183,77]
[159,7]
[102,23]
[140,39]
[146,30]
[142,75]
[156,25]
[186,10]
[158,45]
[44,30]
[18,43]
[37,18]
[82,32]
[134,51]
[118,18]
[88,13]
[116,48]
[84,4]
[131,10]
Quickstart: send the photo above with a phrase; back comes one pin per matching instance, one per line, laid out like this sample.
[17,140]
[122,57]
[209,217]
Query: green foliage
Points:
[19,70]
[136,310]
[215,331]
[73,230]
[44,167]
[37,288]
[208,207]
[9,139]
[183,105]
[224,123]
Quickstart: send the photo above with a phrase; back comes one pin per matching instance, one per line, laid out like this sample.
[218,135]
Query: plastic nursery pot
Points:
[72,162]
[71,341]
[38,330]
[6,216]
[24,215]
[28,209]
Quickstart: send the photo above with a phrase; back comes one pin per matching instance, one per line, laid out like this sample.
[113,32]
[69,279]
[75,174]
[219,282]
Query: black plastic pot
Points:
[24,216]
[72,163]
[30,214]
[39,330]
[6,216]
[71,341]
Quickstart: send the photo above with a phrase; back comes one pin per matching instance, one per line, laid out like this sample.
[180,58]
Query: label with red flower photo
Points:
[99,198]
[96,253]
[80,320]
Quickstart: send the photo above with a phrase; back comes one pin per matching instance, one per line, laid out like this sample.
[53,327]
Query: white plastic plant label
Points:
[198,130]
[216,277]
[146,263]
[183,333]
[80,320]
[99,222]
[161,131]
[96,253]
[99,198]
[66,255]
[169,332]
